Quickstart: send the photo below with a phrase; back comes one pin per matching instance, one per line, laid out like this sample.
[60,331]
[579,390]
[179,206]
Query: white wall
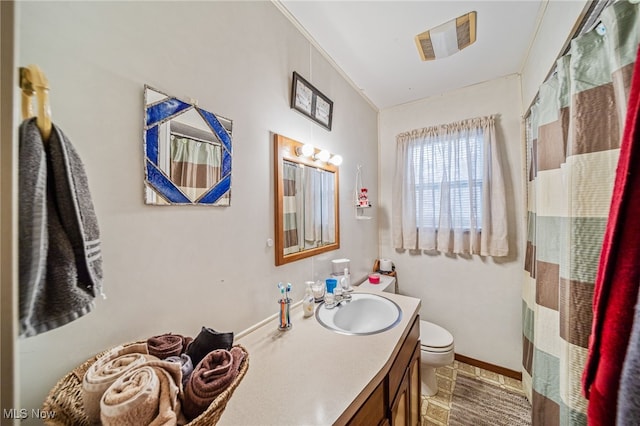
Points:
[555,28]
[178,268]
[478,299]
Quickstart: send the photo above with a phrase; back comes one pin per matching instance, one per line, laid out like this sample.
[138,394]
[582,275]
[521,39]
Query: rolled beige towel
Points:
[149,394]
[105,371]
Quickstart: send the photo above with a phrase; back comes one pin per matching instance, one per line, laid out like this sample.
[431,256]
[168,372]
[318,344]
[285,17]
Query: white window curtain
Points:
[448,190]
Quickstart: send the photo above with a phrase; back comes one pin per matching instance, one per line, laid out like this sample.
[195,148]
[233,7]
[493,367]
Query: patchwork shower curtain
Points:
[308,208]
[195,165]
[573,139]
[291,203]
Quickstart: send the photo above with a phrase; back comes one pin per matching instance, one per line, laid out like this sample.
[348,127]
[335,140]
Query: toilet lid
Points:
[434,336]
[429,349]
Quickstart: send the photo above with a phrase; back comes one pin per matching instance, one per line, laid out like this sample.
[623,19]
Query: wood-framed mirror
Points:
[306,202]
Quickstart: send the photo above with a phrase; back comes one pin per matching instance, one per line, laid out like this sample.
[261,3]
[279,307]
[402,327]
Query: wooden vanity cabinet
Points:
[374,410]
[404,380]
[396,399]
[415,387]
[400,405]
[405,408]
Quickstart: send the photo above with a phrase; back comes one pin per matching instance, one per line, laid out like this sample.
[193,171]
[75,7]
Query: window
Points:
[448,187]
[452,169]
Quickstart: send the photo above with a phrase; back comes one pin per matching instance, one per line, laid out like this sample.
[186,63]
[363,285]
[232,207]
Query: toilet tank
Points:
[387,284]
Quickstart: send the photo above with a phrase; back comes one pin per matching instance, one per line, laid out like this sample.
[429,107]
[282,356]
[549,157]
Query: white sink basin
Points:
[364,314]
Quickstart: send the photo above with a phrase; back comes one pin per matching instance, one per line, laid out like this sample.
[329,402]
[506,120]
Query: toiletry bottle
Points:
[308,301]
[346,280]
[345,283]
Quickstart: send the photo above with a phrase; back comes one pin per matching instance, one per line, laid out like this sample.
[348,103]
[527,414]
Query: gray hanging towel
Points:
[60,259]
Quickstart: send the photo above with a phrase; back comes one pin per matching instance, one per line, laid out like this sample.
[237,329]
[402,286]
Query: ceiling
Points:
[372,42]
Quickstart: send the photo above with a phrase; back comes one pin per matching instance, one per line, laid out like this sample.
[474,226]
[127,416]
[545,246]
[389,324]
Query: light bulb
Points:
[336,160]
[305,151]
[323,156]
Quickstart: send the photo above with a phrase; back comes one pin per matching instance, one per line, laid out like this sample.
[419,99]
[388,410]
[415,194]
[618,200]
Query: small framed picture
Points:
[309,101]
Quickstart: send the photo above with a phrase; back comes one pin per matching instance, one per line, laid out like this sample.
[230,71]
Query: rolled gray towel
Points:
[186,366]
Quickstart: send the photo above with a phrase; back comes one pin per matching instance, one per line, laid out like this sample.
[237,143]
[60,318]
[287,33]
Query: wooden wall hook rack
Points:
[34,82]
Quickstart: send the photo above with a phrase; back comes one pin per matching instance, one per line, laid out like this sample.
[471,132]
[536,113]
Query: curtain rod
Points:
[194,138]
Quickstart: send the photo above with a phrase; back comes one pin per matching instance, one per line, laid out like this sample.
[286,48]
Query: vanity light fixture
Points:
[323,156]
[336,160]
[308,150]
[305,150]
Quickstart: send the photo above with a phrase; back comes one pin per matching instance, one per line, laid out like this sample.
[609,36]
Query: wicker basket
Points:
[65,399]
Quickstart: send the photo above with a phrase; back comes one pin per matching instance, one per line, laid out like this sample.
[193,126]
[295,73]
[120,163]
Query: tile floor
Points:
[435,409]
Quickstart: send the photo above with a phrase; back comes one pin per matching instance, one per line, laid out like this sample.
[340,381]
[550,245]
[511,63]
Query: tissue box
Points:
[338,265]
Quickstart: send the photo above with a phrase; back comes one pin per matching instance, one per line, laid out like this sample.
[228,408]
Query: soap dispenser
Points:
[308,301]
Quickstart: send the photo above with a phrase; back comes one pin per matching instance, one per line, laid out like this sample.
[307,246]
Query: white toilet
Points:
[436,343]
[436,350]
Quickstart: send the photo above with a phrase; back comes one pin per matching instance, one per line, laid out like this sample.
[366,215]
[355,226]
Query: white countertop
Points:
[309,375]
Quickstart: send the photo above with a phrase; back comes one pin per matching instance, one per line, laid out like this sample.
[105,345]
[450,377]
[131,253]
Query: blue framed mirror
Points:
[187,153]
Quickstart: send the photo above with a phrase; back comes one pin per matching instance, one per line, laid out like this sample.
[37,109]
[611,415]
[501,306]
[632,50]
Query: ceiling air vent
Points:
[448,38]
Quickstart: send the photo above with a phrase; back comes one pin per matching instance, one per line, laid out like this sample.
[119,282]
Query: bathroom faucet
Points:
[342,298]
